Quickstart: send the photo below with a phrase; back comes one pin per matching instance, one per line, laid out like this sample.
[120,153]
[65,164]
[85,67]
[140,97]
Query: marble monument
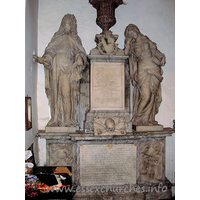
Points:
[108,144]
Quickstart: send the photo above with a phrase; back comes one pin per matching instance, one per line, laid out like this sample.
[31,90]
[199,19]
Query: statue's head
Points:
[132,31]
[68,24]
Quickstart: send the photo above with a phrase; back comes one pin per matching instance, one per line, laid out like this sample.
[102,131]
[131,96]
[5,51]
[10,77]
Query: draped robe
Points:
[61,78]
[146,75]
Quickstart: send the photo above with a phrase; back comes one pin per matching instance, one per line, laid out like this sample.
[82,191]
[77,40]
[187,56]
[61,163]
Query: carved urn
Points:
[105,12]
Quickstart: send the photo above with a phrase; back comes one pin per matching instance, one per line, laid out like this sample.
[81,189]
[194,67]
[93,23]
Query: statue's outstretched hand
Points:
[40,60]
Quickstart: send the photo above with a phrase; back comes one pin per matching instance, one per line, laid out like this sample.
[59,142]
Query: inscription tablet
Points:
[107,86]
[107,164]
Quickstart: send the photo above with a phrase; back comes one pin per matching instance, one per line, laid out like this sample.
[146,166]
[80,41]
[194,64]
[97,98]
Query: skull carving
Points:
[110,125]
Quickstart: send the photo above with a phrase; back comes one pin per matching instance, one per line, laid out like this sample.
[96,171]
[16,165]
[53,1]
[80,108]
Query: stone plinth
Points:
[109,90]
[58,129]
[157,127]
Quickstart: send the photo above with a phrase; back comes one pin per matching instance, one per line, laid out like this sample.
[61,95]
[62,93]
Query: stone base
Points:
[157,127]
[101,167]
[60,129]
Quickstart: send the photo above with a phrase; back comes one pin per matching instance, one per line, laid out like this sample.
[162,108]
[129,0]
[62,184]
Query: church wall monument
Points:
[114,141]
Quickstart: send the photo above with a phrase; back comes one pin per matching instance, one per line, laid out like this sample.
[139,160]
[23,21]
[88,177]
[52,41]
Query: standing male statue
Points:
[64,60]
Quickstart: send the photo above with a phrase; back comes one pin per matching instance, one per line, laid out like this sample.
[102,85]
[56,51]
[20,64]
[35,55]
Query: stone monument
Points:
[109,159]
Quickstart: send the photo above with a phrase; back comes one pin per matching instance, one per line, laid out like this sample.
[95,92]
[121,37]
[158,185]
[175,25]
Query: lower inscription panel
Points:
[107,164]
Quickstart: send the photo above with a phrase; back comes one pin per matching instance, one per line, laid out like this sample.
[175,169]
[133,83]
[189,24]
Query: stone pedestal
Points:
[109,90]
[59,129]
[130,166]
[157,127]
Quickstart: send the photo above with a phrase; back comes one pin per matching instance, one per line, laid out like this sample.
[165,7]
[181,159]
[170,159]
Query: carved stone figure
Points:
[151,160]
[145,62]
[64,60]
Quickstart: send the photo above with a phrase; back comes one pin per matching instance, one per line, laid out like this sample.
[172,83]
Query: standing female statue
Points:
[64,60]
[145,62]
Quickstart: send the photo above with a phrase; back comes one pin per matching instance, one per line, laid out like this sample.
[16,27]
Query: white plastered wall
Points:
[154,18]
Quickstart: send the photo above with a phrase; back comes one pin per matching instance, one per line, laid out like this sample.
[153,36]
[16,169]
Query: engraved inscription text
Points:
[107,86]
[107,164]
